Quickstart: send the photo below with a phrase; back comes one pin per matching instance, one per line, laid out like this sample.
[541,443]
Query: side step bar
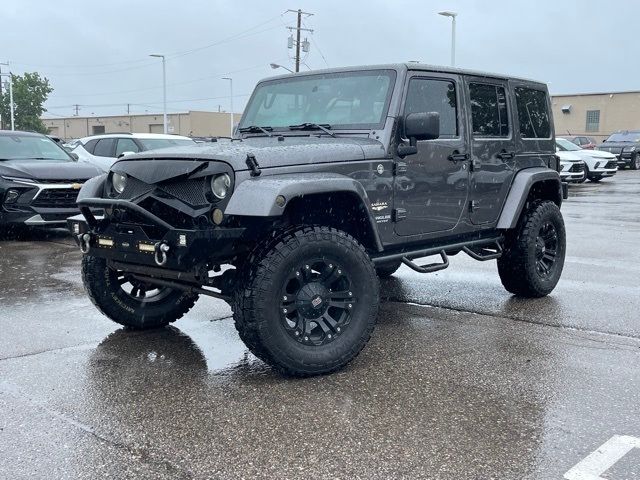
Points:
[482,250]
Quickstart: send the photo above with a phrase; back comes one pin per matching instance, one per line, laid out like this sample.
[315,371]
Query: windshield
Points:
[341,100]
[23,147]
[624,137]
[155,143]
[565,145]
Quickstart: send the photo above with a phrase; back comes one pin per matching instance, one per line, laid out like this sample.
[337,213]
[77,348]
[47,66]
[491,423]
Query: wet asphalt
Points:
[460,380]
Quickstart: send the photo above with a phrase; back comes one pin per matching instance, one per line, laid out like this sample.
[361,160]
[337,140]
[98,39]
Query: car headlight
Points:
[119,182]
[220,185]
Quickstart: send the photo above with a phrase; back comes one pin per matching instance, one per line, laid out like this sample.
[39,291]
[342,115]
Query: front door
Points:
[493,153]
[431,194]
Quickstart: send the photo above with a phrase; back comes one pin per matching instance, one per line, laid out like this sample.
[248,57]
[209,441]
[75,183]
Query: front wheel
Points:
[534,252]
[307,303]
[635,162]
[130,302]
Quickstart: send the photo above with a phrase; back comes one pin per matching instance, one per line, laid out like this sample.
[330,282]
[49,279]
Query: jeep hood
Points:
[271,152]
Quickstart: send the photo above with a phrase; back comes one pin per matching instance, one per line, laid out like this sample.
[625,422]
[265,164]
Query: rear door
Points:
[431,192]
[493,154]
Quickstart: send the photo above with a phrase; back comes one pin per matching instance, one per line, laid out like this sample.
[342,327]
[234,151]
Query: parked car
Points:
[39,180]
[625,145]
[103,150]
[588,143]
[289,205]
[571,166]
[597,164]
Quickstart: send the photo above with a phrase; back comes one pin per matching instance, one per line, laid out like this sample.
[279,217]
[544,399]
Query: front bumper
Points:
[36,217]
[153,243]
[571,177]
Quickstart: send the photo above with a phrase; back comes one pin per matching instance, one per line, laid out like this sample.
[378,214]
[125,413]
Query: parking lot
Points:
[460,380]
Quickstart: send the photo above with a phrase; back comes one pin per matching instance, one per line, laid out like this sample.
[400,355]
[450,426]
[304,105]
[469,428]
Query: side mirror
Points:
[422,126]
[419,126]
[74,156]
[124,154]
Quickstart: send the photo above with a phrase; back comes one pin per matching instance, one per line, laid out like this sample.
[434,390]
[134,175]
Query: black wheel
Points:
[635,162]
[585,175]
[534,252]
[595,179]
[307,304]
[385,270]
[130,302]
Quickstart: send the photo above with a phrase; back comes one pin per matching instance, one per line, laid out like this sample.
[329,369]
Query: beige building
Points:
[192,123]
[596,114]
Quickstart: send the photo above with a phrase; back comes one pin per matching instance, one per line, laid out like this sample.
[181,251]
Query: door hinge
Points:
[399,214]
[399,168]
[473,205]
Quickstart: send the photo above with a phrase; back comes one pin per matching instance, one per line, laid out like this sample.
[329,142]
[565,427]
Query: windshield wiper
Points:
[257,129]
[313,126]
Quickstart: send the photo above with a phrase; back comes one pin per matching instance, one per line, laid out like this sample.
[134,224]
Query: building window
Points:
[593,120]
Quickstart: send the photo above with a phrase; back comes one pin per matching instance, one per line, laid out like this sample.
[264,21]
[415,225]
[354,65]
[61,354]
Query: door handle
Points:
[456,156]
[504,155]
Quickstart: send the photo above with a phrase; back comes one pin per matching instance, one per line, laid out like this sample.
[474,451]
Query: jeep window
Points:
[489,110]
[533,113]
[345,100]
[428,95]
[624,137]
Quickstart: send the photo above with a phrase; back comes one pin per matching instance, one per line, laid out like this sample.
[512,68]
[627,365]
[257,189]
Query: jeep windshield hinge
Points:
[399,214]
[399,168]
[252,163]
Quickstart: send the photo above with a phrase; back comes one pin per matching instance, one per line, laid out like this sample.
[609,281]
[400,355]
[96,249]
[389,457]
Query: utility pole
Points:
[76,107]
[128,112]
[11,105]
[230,104]
[164,91]
[305,43]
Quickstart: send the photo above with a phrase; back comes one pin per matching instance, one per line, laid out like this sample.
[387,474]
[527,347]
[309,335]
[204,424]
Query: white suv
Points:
[571,167]
[103,150]
[598,164]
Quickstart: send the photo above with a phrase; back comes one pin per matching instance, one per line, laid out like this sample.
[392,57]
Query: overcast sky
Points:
[96,53]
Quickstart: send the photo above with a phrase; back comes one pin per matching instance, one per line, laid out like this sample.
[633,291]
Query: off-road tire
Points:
[106,294]
[257,308]
[634,164]
[386,270]
[517,266]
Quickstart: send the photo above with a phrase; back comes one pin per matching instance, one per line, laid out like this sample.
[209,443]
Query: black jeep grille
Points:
[577,167]
[189,191]
[56,198]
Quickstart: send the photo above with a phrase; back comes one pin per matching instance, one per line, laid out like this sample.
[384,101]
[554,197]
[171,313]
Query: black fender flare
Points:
[522,184]
[257,196]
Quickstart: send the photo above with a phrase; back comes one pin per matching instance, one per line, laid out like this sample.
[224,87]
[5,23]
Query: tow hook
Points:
[160,255]
[85,242]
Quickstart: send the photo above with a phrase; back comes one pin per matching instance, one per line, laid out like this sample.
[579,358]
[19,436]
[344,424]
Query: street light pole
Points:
[11,105]
[230,104]
[164,91]
[453,16]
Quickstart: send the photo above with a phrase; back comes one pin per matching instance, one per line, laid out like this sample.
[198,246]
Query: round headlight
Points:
[220,185]
[119,182]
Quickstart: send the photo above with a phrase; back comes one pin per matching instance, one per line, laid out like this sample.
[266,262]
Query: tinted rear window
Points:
[533,113]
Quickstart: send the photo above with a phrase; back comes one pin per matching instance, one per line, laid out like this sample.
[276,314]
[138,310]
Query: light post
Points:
[453,16]
[11,105]
[164,91]
[230,104]
[276,66]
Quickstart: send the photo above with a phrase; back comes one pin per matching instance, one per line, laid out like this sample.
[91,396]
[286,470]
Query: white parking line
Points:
[603,458]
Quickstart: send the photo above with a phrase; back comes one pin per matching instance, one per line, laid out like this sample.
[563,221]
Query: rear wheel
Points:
[534,252]
[130,302]
[635,162]
[308,303]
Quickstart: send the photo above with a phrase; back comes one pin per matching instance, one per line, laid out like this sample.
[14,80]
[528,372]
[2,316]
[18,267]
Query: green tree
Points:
[30,91]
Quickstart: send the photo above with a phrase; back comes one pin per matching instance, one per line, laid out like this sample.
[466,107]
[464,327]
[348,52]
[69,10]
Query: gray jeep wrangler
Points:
[333,179]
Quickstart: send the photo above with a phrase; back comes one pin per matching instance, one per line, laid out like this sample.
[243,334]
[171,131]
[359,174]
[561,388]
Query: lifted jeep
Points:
[333,179]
